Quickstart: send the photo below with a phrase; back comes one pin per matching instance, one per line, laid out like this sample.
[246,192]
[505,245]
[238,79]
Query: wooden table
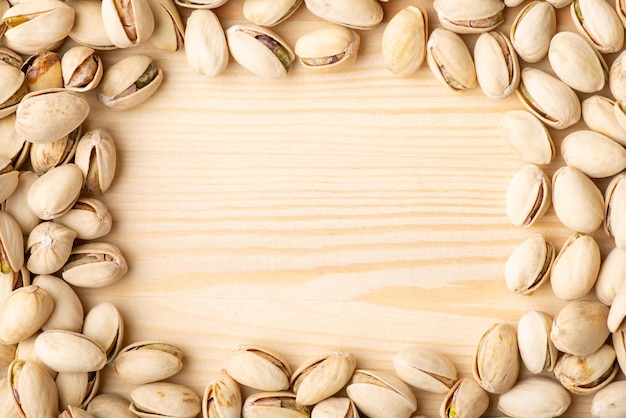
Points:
[352,210]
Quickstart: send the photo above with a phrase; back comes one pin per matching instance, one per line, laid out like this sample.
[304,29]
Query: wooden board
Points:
[352,210]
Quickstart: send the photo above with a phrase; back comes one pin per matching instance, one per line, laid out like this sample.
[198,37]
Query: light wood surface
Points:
[352,210]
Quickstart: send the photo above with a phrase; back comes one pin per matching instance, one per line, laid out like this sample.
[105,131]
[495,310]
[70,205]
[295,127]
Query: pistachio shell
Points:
[127,23]
[469,16]
[164,400]
[274,404]
[148,361]
[88,28]
[380,395]
[615,209]
[206,49]
[532,29]
[612,275]
[425,368]
[529,265]
[610,401]
[12,88]
[26,351]
[599,23]
[16,205]
[269,12]
[527,136]
[43,71]
[450,61]
[68,310]
[105,325]
[465,399]
[404,41]
[48,247]
[222,397]
[97,159]
[12,146]
[617,311]
[258,368]
[169,30]
[109,405]
[8,408]
[355,14]
[587,374]
[496,361]
[328,48]
[619,345]
[617,77]
[200,4]
[76,389]
[43,157]
[35,389]
[95,264]
[535,397]
[594,154]
[322,376]
[89,218]
[336,407]
[23,313]
[577,201]
[71,352]
[580,327]
[528,196]
[598,112]
[537,351]
[576,267]
[11,281]
[12,244]
[82,68]
[497,66]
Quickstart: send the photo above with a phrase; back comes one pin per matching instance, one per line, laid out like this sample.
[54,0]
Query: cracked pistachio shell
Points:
[275,405]
[71,352]
[37,25]
[8,178]
[43,71]
[593,153]
[258,368]
[11,244]
[68,310]
[469,16]
[527,136]
[496,360]
[16,205]
[8,408]
[598,22]
[12,146]
[164,400]
[580,327]
[97,159]
[380,395]
[335,407]
[497,66]
[269,12]
[328,48]
[531,31]
[450,60]
[260,50]
[74,412]
[577,201]
[587,374]
[169,30]
[43,157]
[222,397]
[537,351]
[528,196]
[23,313]
[129,82]
[147,362]
[535,397]
[105,325]
[46,115]
[200,4]
[465,399]
[89,218]
[615,209]
[82,68]
[612,276]
[576,267]
[127,23]
[94,264]
[599,115]
[12,88]
[55,192]
[10,57]
[34,392]
[617,80]
[404,41]
[88,29]
[76,389]
[322,376]
[529,265]
[610,401]
[48,247]
[355,14]
[425,368]
[206,49]
[107,405]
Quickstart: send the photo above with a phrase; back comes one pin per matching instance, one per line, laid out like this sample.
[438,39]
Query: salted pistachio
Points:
[615,209]
[43,157]
[404,41]
[129,82]
[81,68]
[96,157]
[8,406]
[380,395]
[465,399]
[148,361]
[127,23]
[450,61]
[16,205]
[68,310]
[88,28]
[43,71]
[469,16]
[12,88]
[200,4]
[577,63]
[169,30]
[355,14]
[537,351]
[105,325]
[258,368]
[587,374]
[599,23]
[527,136]
[617,80]
[11,244]
[580,327]
[94,264]
[577,201]
[529,265]
[10,57]
[65,351]
[77,389]
[260,50]
[23,313]
[108,405]
[55,192]
[26,351]
[274,404]
[35,25]
[12,146]
[593,153]
[48,247]
[576,267]
[497,66]
[612,276]
[322,376]
[425,368]
[34,392]
[335,407]
[164,400]
[599,115]
[528,196]
[206,49]
[89,218]
[531,31]
[46,115]
[74,412]
[328,48]
[610,401]
[269,12]
[535,397]
[222,397]
[496,360]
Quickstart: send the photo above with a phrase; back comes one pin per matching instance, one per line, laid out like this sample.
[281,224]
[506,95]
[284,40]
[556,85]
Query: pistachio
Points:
[465,399]
[450,61]
[4,6]
[82,69]
[599,115]
[593,153]
[148,361]
[200,4]
[43,71]
[328,48]
[34,392]
[617,311]
[88,28]
[77,389]
[599,23]
[259,368]
[537,351]
[617,78]
[74,412]
[528,196]
[8,178]
[269,12]
[16,205]
[96,157]
[274,404]
[11,281]
[527,136]
[105,325]
[380,395]
[10,57]
[355,14]
[68,310]
[335,407]
[11,245]
[8,407]
[619,345]
[587,374]
[535,397]
[108,405]
[496,361]
[577,201]
[497,66]
[164,400]
[43,157]
[532,29]
[206,49]
[425,368]
[610,401]
[169,30]
[12,88]
[23,313]
[127,22]
[12,146]
[48,247]
[612,276]
[576,267]
[529,265]
[559,4]
[469,16]
[26,351]
[615,209]
[65,351]
[322,376]
[89,218]
[404,41]
[580,327]
[221,398]
[95,264]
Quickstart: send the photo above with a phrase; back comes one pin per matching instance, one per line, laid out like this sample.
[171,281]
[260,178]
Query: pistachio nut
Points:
[615,209]
[200,4]
[465,399]
[11,281]
[599,115]
[559,4]
[322,376]
[610,401]
[12,88]
[274,404]
[10,57]
[206,48]
[497,66]
[108,405]
[612,276]
[94,264]
[43,71]
[335,407]
[328,48]
[529,265]
[576,267]
[355,14]
[617,311]
[129,82]
[619,112]
[496,360]
[16,205]
[617,79]
[531,31]
[260,50]
[88,28]
[580,328]
[34,392]
[76,389]
[11,245]
[469,16]
[97,159]
[68,310]
[43,157]
[8,178]
[380,395]
[258,368]
[425,368]
[169,30]
[12,146]
[404,41]
[587,374]
[593,153]
[46,115]
[105,325]
[81,68]
[127,22]
[513,3]
[35,25]
[527,136]
[269,12]
[537,351]
[65,351]
[89,218]
[148,361]
[535,397]
[528,196]
[48,247]
[8,407]
[577,201]
[23,313]
[26,351]
[599,23]
[164,400]
[222,397]
[450,60]
[74,412]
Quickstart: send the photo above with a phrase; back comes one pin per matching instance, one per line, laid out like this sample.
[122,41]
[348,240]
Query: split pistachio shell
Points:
[43,157]
[200,4]
[108,405]
[12,88]
[127,23]
[425,368]
[68,311]
[580,327]
[169,30]
[82,68]
[8,407]
[8,178]
[529,265]
[97,159]
[537,351]
[617,311]
[617,78]
[531,31]
[380,395]
[23,313]
[164,400]
[576,267]
[587,374]
[71,352]
[147,362]
[88,29]
[527,136]
[615,209]
[577,201]
[95,264]
[43,71]
[404,41]
[336,407]
[528,196]
[355,14]
[599,23]
[34,392]
[16,205]
[598,112]
[610,401]
[7,56]
[89,218]
[593,153]
[258,368]
[11,244]
[496,361]
[105,325]
[269,12]
[222,398]
[450,61]
[328,48]
[274,404]
[469,16]
[612,276]
[535,397]
[48,247]
[497,66]
[77,389]
[322,376]
[465,399]
[206,48]
[12,146]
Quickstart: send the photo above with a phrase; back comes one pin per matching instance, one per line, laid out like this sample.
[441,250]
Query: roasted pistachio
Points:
[404,41]
[55,192]
[166,400]
[68,309]
[496,361]
[23,313]
[222,397]
[77,389]
[108,405]
[593,153]
[169,30]
[469,16]
[43,71]
[48,247]
[206,49]
[127,22]
[587,374]
[580,328]
[355,14]
[599,23]
[537,351]
[328,48]
[12,88]
[148,361]
[105,325]
[258,368]
[529,265]
[16,205]
[380,395]
[8,406]
[450,61]
[88,28]
[12,146]
[335,407]
[576,267]
[11,245]
[95,264]
[532,29]
[43,157]
[89,218]
[528,196]
[612,275]
[82,69]
[610,401]
[425,368]
[34,391]
[577,201]
[97,159]
[8,178]
[617,78]
[322,376]
[497,66]
[527,136]
[598,112]
[535,397]
[65,351]
[615,210]
[269,12]
[465,399]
